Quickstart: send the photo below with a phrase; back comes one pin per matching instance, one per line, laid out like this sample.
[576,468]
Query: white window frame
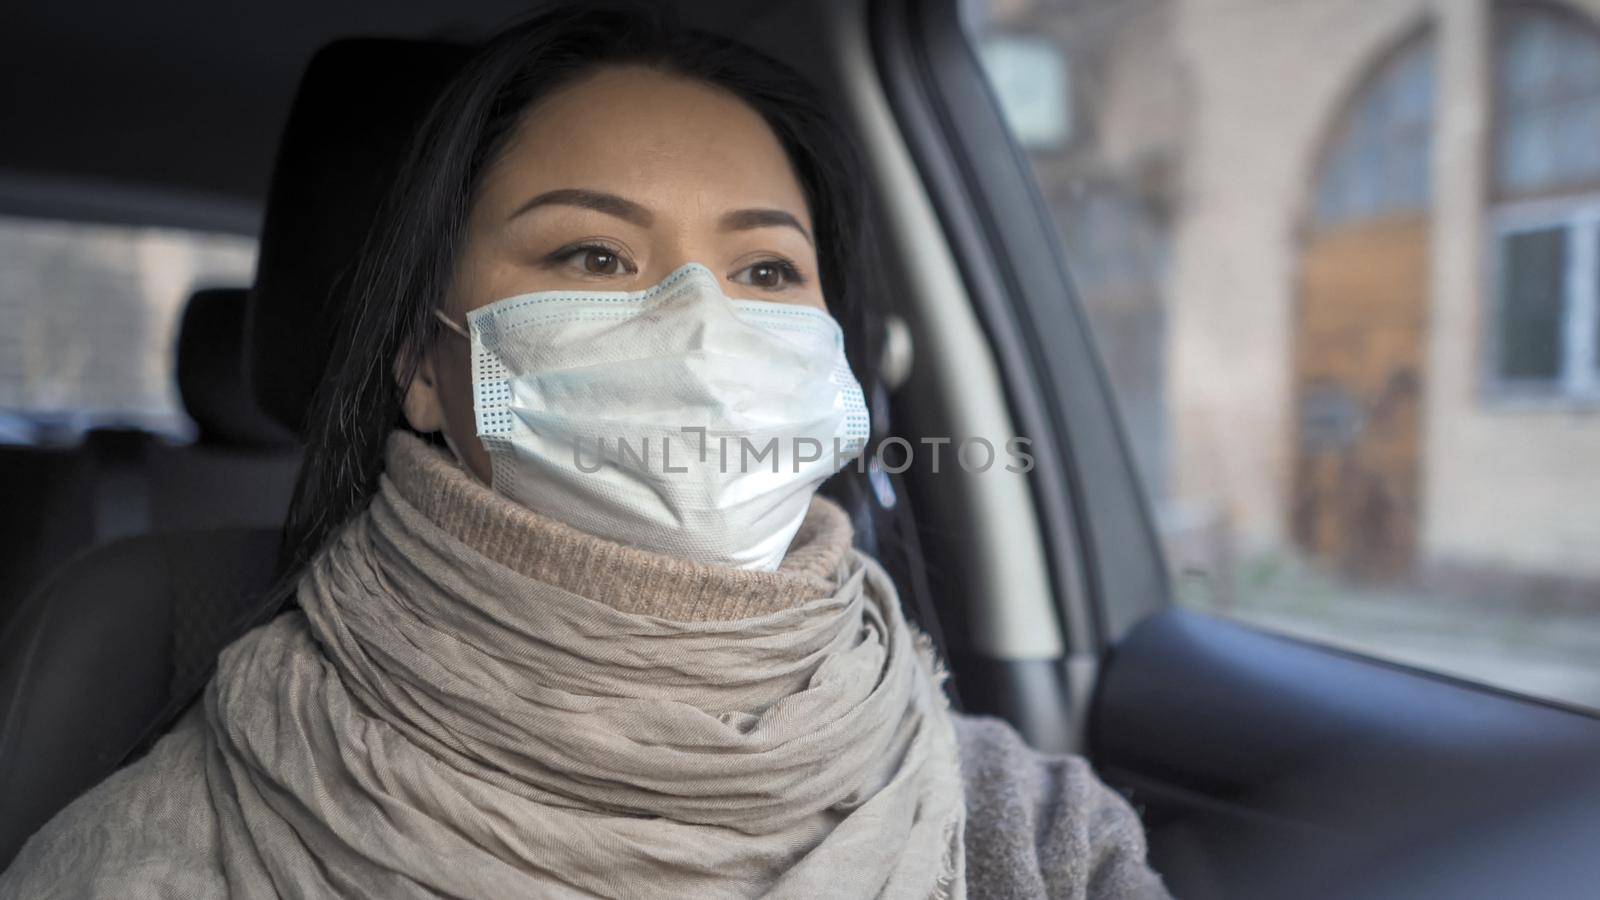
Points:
[1579,381]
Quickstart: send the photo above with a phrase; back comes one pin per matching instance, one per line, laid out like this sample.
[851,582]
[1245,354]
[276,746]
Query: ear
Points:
[420,398]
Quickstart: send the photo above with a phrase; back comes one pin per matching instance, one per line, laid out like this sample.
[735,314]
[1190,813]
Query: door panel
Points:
[1262,763]
[1358,384]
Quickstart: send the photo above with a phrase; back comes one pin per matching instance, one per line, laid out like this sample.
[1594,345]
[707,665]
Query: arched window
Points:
[1359,360]
[1546,325]
[1377,161]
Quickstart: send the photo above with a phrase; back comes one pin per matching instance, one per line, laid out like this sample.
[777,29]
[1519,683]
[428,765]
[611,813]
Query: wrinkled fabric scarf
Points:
[437,724]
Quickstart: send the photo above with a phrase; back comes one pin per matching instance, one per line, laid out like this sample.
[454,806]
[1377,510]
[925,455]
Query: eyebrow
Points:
[743,219]
[599,201]
[627,210]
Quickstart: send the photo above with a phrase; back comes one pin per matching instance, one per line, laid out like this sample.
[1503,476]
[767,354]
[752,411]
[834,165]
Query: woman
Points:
[583,644]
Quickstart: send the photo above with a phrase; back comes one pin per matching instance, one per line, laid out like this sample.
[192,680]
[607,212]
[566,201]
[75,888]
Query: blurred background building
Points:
[1343,259]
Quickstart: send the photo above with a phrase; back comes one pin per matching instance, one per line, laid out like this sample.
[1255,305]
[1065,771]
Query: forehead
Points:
[658,139]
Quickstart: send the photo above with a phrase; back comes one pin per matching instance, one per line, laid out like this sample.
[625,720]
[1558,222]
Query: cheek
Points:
[808,295]
[490,272]
[453,373]
[452,364]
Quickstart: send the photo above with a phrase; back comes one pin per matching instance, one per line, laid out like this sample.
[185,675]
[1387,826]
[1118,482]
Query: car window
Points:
[1342,262]
[88,323]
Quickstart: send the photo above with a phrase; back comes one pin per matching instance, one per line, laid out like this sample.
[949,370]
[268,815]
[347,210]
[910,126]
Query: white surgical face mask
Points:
[672,419]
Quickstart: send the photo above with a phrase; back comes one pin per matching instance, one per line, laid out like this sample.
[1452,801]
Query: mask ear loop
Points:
[450,323]
[445,432]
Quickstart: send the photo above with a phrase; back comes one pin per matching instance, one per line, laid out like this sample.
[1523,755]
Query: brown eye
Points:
[600,262]
[771,275]
[766,275]
[590,260]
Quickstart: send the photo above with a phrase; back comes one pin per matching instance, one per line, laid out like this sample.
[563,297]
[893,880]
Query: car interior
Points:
[1259,763]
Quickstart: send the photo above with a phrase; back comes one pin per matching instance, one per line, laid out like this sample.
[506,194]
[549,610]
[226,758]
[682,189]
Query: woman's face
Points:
[609,184]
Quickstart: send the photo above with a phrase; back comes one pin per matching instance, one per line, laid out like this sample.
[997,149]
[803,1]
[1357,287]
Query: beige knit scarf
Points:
[481,702]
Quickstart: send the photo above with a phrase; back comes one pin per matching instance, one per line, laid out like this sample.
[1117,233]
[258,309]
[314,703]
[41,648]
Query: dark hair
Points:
[407,263]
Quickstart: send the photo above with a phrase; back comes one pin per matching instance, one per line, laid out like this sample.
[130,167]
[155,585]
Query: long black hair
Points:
[408,261]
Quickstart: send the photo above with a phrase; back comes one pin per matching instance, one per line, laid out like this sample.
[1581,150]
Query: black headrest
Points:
[358,104]
[211,373]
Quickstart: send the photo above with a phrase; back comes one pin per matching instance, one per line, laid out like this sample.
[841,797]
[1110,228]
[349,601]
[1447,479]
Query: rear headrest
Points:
[358,104]
[211,373]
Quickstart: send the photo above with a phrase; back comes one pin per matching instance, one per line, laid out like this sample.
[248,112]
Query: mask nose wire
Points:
[450,323]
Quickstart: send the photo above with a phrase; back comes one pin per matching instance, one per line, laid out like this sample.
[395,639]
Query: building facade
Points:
[1368,258]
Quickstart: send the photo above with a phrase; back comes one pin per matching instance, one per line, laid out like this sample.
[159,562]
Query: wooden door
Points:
[1358,379]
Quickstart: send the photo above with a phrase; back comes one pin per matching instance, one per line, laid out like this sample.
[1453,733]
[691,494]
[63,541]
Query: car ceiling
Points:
[187,98]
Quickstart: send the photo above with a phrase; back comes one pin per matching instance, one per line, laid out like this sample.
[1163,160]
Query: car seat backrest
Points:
[50,506]
[90,659]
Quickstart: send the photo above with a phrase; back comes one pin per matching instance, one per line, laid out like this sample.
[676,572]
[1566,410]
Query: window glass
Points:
[1359,376]
[90,317]
[1549,110]
[1379,160]
[1533,302]
[1594,311]
[1033,75]
[1546,116]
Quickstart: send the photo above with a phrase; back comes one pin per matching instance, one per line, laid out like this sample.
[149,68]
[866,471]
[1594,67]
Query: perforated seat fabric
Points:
[90,659]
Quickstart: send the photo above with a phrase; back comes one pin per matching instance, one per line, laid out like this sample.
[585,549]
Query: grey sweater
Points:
[1042,825]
